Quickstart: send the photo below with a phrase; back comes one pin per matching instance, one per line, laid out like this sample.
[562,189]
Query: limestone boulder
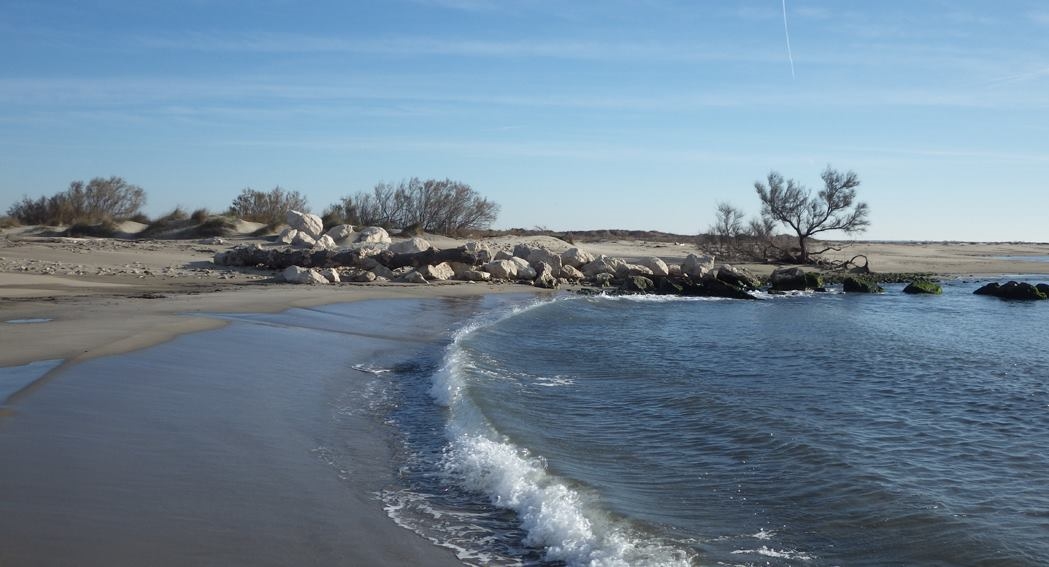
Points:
[299,275]
[638,284]
[330,274]
[480,250]
[571,273]
[413,245]
[502,255]
[657,266]
[305,222]
[412,276]
[697,267]
[303,240]
[523,250]
[501,269]
[325,242]
[341,234]
[543,256]
[287,236]
[576,257]
[626,270]
[438,272]
[602,265]
[373,235]
[544,276]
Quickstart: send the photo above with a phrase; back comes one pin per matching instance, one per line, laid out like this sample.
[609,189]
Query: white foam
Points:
[555,517]
[780,554]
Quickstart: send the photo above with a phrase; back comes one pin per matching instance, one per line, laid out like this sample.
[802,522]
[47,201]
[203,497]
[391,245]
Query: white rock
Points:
[413,245]
[373,234]
[365,277]
[697,267]
[305,222]
[325,242]
[480,250]
[571,273]
[602,265]
[576,258]
[298,275]
[413,277]
[303,240]
[503,255]
[656,265]
[543,256]
[626,270]
[287,236]
[331,274]
[501,269]
[341,233]
[439,272]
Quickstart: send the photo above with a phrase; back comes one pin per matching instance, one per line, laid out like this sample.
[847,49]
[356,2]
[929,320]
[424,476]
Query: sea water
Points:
[811,429]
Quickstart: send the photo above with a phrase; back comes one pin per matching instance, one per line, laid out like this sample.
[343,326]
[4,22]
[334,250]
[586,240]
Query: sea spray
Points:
[565,522]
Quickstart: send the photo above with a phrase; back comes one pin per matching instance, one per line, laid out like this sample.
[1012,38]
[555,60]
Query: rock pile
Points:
[1015,290]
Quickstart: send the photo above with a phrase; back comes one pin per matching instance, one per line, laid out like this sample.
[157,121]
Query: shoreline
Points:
[110,406]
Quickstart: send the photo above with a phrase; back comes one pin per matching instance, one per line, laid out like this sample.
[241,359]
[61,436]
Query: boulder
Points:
[576,258]
[697,267]
[602,265]
[372,265]
[604,279]
[502,255]
[540,256]
[522,250]
[298,275]
[544,276]
[1019,290]
[373,235]
[737,277]
[480,250]
[638,284]
[438,272]
[989,289]
[626,270]
[325,242]
[855,284]
[571,273]
[501,269]
[795,279]
[305,222]
[714,287]
[303,240]
[287,236]
[341,233]
[330,274]
[475,276]
[657,266]
[923,287]
[413,245]
[365,277]
[412,276]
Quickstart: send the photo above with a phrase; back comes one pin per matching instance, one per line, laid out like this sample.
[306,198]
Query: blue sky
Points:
[639,114]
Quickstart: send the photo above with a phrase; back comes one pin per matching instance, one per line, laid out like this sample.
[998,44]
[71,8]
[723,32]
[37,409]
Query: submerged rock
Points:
[854,284]
[1016,290]
[923,287]
[795,279]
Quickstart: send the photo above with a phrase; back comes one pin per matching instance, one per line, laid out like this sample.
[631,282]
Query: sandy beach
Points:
[78,302]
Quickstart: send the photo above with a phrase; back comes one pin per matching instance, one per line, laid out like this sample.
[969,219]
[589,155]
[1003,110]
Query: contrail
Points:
[786,32]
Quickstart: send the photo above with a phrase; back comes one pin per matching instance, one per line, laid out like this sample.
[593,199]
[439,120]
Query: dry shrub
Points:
[269,208]
[88,203]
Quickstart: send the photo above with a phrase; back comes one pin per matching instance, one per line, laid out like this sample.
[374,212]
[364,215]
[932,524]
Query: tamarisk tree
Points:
[832,208]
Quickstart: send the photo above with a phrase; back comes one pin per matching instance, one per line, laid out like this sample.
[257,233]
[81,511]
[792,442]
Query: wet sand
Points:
[254,444]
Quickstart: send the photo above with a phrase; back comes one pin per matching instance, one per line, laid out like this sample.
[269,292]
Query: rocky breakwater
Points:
[370,256]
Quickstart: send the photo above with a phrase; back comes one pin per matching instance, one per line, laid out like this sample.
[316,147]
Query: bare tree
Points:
[727,228]
[269,208]
[832,208]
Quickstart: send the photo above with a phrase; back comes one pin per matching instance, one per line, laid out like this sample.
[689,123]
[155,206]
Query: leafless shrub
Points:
[200,216]
[96,201]
[438,206]
[269,208]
